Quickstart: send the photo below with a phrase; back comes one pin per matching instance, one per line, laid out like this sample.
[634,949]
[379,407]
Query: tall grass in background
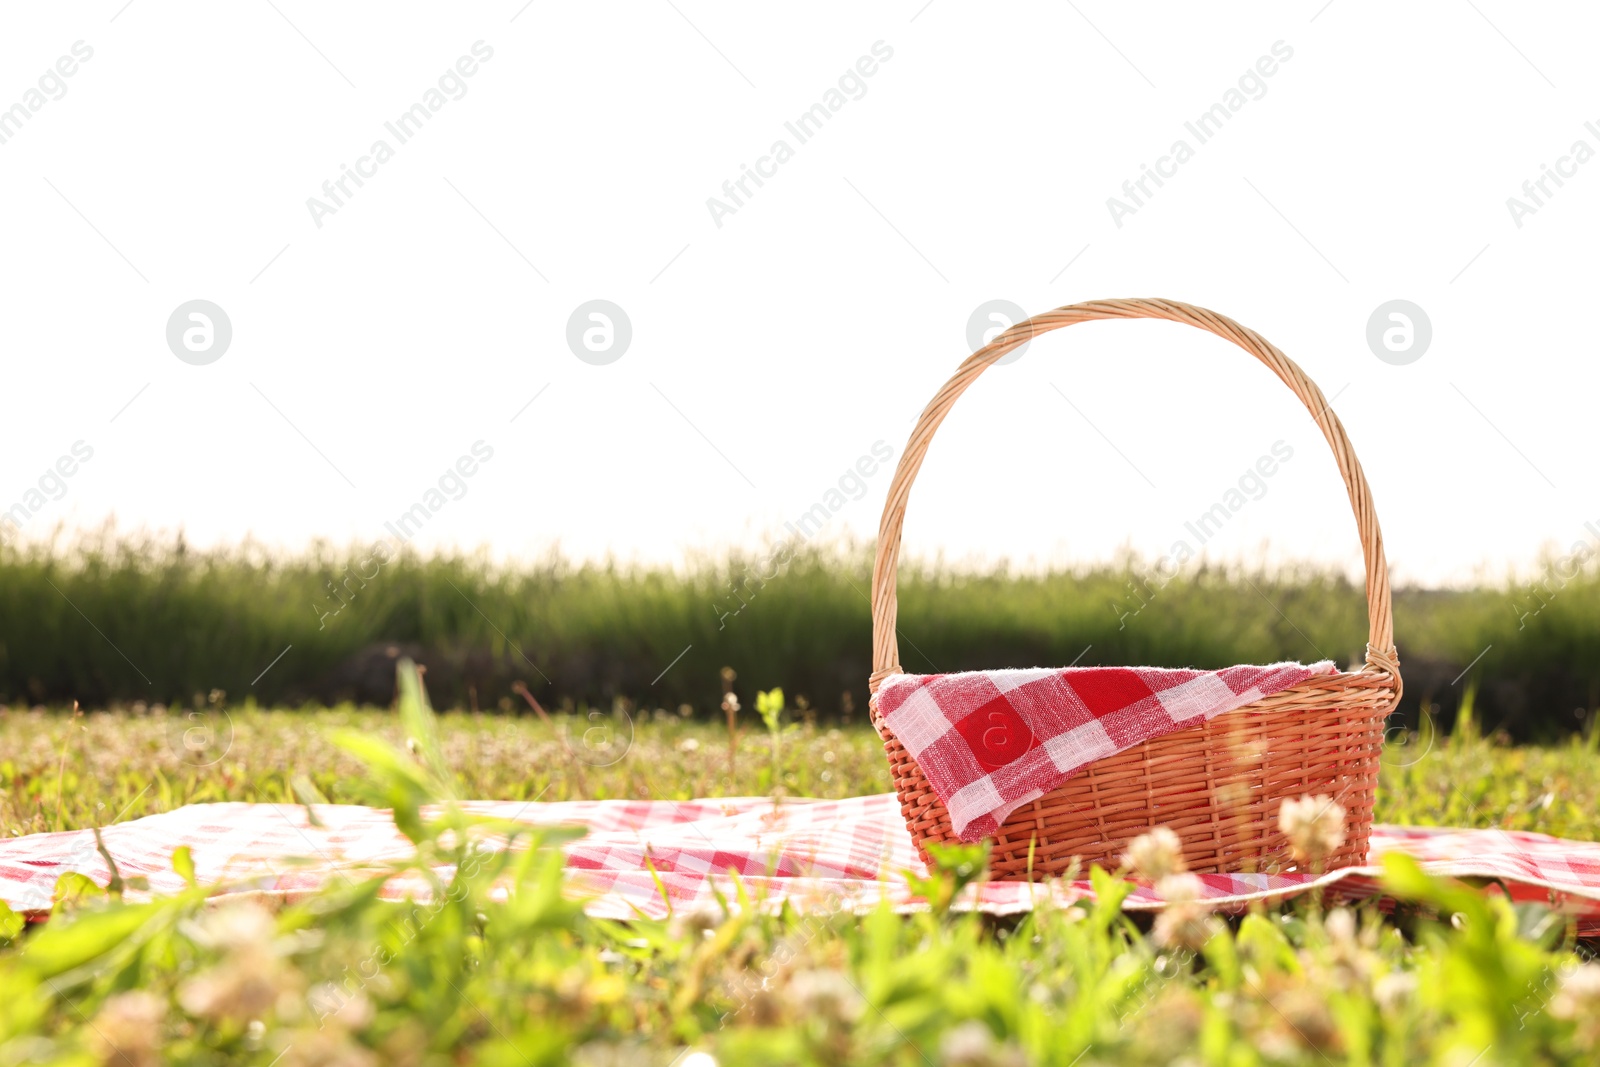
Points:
[121,620]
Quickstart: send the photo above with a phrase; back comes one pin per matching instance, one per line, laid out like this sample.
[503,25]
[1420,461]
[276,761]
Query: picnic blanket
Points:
[991,741]
[811,854]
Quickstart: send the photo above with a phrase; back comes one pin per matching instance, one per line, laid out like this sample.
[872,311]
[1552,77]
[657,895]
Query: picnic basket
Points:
[1218,785]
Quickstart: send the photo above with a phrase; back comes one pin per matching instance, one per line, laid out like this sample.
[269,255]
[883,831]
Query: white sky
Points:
[772,352]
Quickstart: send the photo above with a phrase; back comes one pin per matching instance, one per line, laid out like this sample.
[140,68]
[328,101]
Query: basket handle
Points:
[1380,656]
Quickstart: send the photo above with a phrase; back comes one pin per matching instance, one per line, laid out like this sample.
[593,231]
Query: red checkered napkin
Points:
[991,741]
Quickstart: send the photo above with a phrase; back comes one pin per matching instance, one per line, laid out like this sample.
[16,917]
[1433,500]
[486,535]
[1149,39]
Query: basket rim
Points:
[1337,671]
[1280,702]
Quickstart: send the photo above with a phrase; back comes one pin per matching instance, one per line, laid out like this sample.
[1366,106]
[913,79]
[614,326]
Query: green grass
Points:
[65,771]
[344,979]
[123,621]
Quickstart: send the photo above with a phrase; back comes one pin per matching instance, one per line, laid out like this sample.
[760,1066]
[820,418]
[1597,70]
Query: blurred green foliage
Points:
[120,620]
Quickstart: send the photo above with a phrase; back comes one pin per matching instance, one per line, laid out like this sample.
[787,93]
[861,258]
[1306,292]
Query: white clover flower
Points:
[1341,926]
[1183,888]
[825,994]
[250,977]
[232,990]
[1314,826]
[238,926]
[971,1045]
[127,1031]
[1156,854]
[1184,926]
[325,1048]
[352,1010]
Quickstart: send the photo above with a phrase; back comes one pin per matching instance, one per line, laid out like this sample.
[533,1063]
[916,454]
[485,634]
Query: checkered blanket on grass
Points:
[810,853]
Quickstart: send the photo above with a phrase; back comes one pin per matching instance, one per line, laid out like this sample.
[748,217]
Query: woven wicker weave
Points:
[1219,785]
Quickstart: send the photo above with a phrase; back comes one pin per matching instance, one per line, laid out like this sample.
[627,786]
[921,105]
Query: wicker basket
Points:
[1218,785]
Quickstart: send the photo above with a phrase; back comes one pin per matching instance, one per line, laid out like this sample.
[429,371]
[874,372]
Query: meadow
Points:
[132,621]
[1453,977]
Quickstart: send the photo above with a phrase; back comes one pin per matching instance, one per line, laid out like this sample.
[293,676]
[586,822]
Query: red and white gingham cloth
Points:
[810,854]
[991,741]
